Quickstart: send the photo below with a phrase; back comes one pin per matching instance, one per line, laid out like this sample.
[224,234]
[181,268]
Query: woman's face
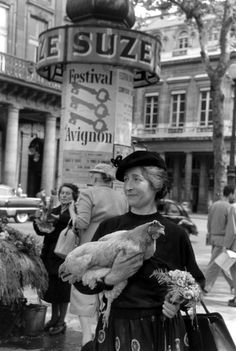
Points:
[66,195]
[138,190]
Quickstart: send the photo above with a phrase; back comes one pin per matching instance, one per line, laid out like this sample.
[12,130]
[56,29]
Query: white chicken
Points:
[92,261]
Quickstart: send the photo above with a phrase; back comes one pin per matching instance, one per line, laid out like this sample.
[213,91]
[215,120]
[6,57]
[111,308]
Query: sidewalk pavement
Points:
[69,341]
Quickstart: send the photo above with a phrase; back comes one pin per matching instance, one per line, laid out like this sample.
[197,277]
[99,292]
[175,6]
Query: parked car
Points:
[176,213]
[18,207]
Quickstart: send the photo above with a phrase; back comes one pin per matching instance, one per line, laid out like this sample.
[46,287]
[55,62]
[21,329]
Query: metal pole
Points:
[231,169]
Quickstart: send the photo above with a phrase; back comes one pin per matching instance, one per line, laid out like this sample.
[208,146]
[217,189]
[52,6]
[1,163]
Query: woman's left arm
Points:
[85,289]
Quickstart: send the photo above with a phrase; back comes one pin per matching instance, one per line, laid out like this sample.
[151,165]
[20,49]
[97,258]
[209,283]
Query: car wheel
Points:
[21,217]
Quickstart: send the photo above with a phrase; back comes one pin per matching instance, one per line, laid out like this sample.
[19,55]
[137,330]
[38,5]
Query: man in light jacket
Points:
[216,225]
[230,244]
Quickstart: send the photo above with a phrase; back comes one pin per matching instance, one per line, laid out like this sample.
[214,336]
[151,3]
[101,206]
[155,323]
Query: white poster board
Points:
[96,114]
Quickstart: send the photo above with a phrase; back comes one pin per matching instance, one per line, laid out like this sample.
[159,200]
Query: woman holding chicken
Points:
[142,317]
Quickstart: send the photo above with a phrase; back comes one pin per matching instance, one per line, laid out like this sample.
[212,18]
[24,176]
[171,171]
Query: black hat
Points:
[139,159]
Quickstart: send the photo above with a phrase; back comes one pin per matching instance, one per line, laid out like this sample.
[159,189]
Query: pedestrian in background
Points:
[58,292]
[94,205]
[216,226]
[230,244]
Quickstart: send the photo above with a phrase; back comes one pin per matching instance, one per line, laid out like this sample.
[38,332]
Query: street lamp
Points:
[231,168]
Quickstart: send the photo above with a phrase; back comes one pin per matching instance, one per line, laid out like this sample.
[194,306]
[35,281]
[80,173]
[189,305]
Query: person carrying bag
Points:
[68,240]
[58,292]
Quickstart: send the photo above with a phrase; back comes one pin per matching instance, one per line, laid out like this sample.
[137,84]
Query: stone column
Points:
[11,147]
[188,176]
[176,179]
[203,187]
[163,155]
[49,153]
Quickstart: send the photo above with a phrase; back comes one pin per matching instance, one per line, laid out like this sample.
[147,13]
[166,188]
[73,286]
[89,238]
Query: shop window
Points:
[35,27]
[3,28]
[205,113]
[178,104]
[151,111]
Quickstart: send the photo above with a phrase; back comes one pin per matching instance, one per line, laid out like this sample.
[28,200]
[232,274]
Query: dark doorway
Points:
[35,166]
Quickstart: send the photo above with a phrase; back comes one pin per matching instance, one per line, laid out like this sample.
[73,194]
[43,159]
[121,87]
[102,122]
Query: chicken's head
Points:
[155,229]
[145,236]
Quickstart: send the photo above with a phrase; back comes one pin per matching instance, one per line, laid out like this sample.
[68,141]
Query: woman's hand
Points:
[170,309]
[123,268]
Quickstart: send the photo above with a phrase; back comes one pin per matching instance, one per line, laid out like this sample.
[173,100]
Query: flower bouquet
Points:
[181,287]
[43,216]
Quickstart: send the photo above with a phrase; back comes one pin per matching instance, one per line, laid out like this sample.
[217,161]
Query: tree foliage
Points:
[196,13]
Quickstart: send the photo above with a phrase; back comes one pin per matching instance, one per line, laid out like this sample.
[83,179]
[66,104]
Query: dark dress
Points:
[58,291]
[136,321]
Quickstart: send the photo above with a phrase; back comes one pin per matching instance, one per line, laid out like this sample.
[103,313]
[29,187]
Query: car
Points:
[177,213]
[18,207]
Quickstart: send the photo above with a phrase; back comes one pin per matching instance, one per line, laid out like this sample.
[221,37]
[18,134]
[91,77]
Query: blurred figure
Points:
[19,190]
[94,205]
[58,292]
[216,226]
[41,194]
[230,244]
[54,197]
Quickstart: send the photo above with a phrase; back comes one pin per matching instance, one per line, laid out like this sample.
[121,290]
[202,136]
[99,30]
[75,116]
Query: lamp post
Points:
[231,168]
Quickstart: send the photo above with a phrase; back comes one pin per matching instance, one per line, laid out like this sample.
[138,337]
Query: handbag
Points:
[208,332]
[66,242]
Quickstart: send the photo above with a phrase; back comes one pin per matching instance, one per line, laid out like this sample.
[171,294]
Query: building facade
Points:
[175,116]
[29,105]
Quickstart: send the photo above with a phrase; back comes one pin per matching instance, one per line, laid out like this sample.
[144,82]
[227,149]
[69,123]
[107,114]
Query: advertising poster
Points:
[97,113]
[124,108]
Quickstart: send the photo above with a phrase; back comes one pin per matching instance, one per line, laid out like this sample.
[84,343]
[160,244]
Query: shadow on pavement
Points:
[70,341]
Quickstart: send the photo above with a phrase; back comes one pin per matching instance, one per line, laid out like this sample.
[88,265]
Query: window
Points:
[178,109]
[35,27]
[3,28]
[183,40]
[213,35]
[151,111]
[205,119]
